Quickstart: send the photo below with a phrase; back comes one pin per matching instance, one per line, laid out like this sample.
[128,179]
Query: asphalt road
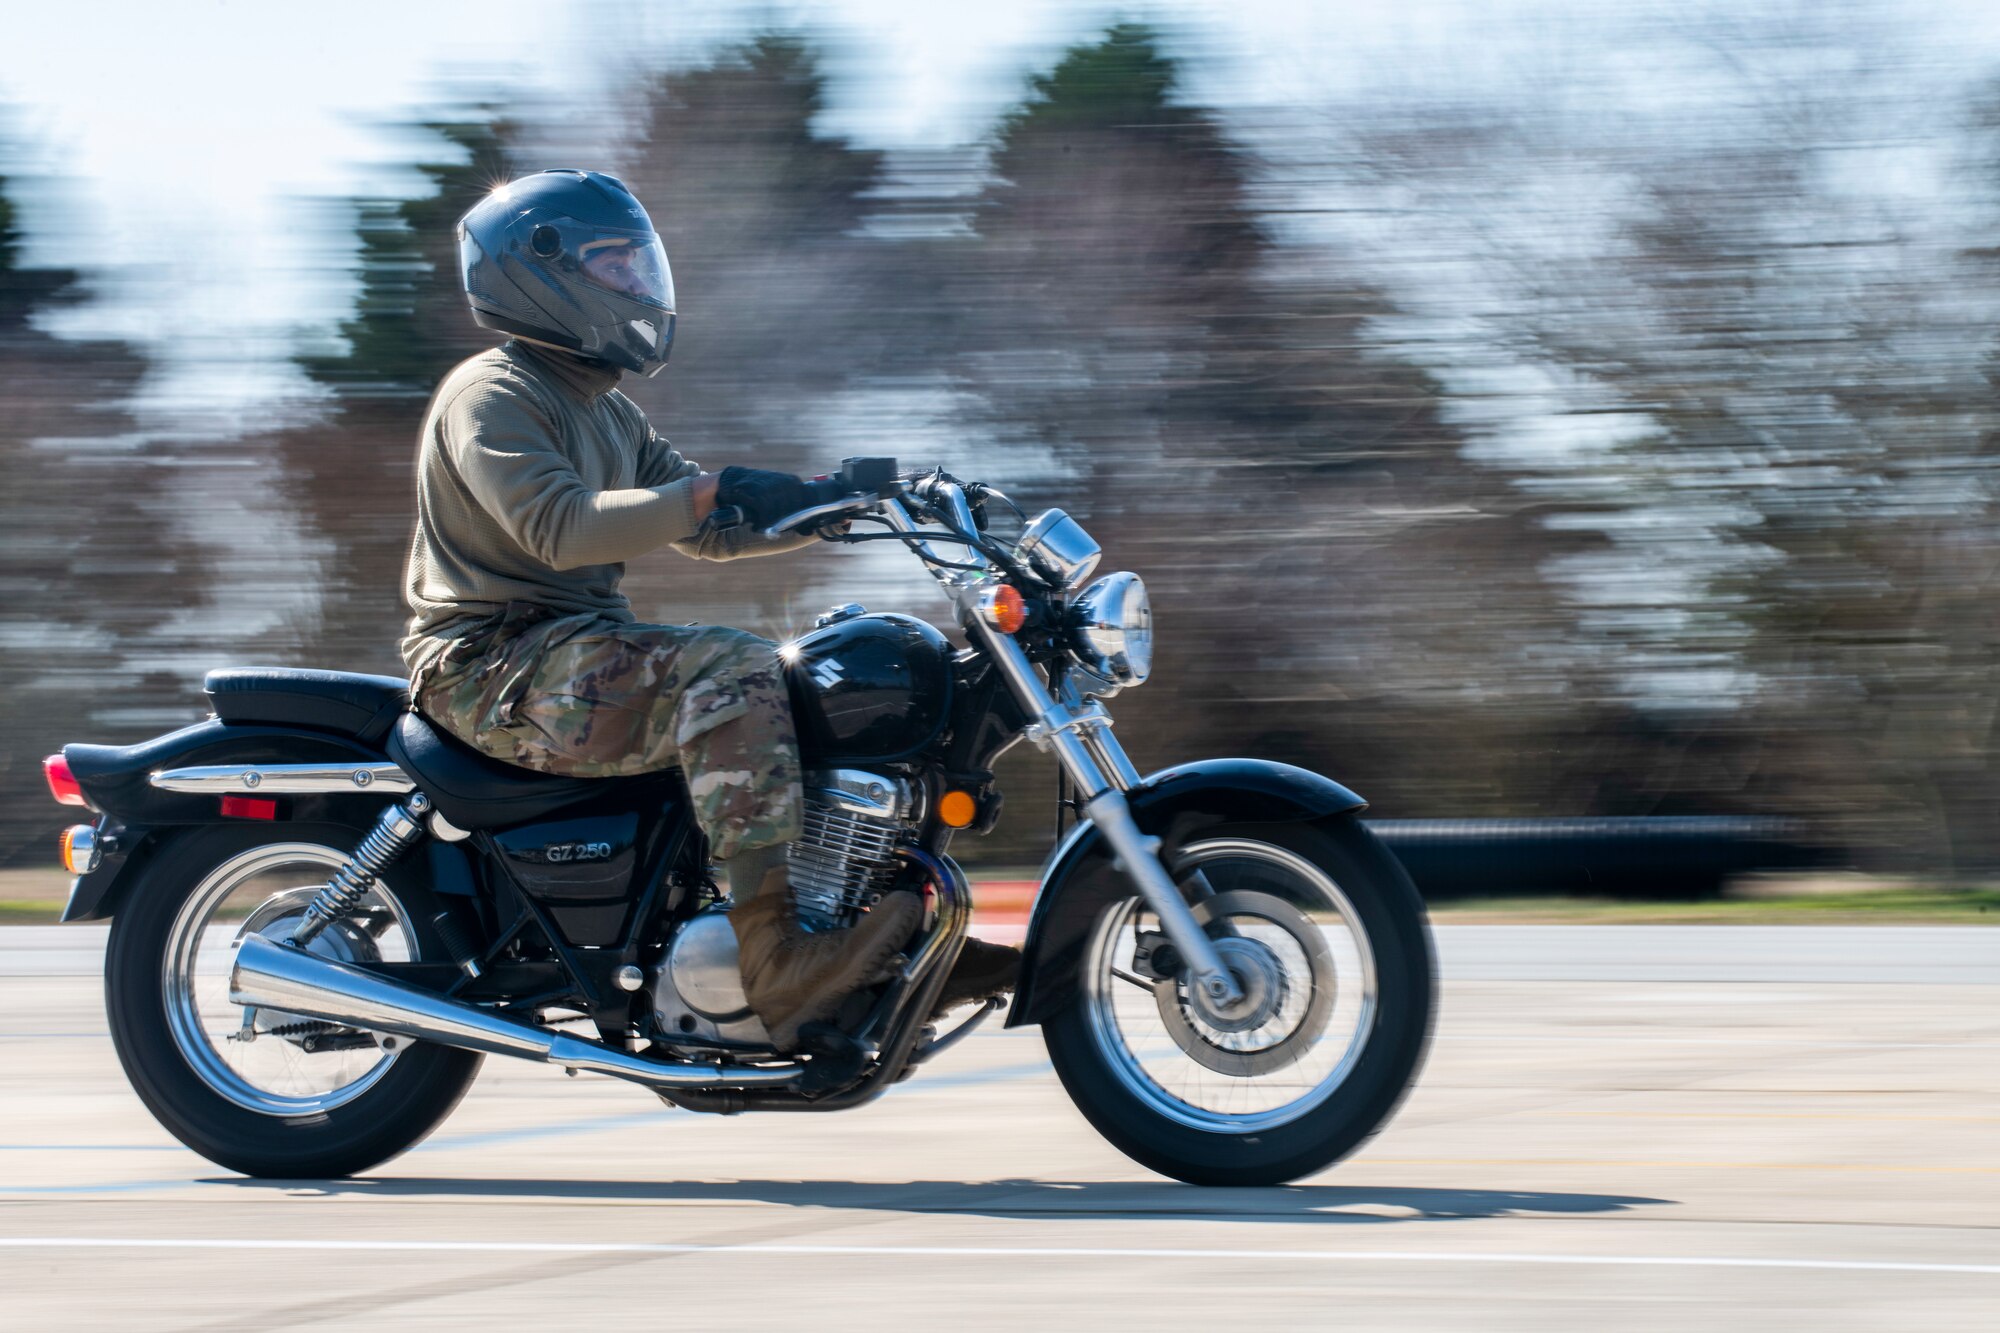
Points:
[1644,1127]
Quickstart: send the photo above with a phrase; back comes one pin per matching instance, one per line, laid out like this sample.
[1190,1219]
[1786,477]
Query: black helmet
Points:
[570,258]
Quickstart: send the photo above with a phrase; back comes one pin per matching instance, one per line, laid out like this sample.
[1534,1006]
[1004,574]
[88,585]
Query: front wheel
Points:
[1327,938]
[266,1093]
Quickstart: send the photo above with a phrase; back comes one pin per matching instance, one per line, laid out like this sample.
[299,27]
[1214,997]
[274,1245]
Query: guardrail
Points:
[1638,857]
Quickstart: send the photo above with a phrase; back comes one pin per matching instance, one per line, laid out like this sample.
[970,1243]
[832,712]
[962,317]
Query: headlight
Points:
[1111,631]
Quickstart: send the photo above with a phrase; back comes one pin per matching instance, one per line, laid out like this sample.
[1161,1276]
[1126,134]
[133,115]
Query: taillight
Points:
[62,783]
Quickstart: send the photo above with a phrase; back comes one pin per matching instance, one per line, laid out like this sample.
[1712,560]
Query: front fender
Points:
[1078,879]
[115,778]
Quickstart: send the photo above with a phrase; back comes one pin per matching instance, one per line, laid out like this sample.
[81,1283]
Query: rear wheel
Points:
[269,1094]
[1327,939]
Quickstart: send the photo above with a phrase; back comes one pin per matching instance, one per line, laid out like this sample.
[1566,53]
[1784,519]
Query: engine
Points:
[846,857]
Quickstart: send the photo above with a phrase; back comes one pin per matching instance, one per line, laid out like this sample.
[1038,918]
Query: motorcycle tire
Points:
[1144,1121]
[404,1103]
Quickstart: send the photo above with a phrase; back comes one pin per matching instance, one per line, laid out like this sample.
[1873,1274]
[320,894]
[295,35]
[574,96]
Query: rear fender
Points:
[1174,805]
[114,778]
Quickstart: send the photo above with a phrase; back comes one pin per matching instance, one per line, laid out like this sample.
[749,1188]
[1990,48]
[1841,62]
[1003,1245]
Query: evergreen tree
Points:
[410,325]
[782,304]
[23,290]
[90,568]
[351,477]
[1327,569]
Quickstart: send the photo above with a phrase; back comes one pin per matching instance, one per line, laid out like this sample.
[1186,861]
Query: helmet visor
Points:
[631,264]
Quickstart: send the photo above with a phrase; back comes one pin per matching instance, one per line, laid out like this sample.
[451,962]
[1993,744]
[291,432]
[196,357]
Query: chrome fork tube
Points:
[1077,748]
[1095,762]
[1104,746]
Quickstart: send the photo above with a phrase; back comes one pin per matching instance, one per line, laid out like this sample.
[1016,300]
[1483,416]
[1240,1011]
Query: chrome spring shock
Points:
[398,829]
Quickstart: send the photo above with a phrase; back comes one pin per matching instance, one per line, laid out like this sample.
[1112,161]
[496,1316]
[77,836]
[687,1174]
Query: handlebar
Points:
[859,486]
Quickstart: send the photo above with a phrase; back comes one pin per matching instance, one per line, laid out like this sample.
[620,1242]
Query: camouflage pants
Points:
[588,697]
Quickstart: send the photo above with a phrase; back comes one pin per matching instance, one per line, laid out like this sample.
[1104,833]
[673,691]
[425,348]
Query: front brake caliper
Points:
[1154,956]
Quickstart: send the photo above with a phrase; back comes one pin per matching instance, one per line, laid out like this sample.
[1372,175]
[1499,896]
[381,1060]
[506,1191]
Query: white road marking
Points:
[986,1252]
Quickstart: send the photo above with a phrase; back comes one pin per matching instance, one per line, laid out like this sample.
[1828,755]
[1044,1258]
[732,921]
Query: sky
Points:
[188,139]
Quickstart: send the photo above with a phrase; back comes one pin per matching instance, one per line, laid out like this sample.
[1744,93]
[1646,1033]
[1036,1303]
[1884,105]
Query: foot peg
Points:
[835,1060]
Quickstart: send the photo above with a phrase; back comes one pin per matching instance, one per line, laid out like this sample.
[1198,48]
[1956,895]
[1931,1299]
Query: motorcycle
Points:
[326,911]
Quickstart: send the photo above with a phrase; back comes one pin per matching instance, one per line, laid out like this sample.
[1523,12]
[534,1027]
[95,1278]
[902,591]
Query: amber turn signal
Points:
[79,849]
[957,808]
[1004,608]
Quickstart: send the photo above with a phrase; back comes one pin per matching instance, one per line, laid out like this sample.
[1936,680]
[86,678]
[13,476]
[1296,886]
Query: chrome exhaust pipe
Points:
[270,975]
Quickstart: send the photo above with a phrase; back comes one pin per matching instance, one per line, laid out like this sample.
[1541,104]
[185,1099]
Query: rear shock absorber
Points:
[399,829]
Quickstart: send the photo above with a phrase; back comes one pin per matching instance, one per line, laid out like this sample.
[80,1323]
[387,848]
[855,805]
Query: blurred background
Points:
[1523,409]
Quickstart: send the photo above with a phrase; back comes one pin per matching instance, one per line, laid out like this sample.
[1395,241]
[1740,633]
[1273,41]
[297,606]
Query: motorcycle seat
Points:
[475,792]
[361,706]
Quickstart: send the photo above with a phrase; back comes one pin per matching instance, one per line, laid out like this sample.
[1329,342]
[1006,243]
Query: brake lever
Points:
[847,505]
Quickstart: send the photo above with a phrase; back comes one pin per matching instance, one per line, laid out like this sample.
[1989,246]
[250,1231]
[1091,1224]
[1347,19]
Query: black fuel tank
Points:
[873,688]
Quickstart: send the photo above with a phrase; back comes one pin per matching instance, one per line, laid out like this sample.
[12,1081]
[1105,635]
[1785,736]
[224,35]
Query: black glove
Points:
[763,497]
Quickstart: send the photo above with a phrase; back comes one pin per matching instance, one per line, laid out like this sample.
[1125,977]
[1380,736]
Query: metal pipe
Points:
[1071,749]
[1099,767]
[270,975]
[1103,745]
[1139,857]
[284,779]
[938,954]
[952,1038]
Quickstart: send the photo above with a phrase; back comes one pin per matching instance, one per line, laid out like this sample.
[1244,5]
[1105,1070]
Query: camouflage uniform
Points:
[592,696]
[536,481]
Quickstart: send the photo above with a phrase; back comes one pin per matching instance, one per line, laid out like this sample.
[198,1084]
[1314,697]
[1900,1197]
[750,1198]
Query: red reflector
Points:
[248,807]
[62,783]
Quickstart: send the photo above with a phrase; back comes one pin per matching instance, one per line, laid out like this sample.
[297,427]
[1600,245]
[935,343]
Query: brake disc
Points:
[1285,1005]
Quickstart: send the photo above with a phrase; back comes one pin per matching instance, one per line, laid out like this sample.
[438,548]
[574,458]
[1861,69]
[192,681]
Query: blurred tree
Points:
[350,476]
[410,324]
[1754,359]
[23,290]
[93,566]
[1336,586]
[781,299]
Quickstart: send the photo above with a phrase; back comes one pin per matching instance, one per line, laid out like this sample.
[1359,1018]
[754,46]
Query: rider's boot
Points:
[792,977]
[982,971]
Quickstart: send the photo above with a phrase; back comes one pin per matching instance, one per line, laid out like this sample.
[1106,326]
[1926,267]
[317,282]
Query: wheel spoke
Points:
[1312,998]
[265,890]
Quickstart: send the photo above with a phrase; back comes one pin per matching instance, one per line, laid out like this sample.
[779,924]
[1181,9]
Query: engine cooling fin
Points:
[846,857]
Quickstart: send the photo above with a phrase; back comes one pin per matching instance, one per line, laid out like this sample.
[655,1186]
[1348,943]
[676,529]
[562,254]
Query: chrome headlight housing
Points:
[1110,629]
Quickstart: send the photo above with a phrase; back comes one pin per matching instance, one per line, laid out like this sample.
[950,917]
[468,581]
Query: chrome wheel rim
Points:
[1249,1081]
[274,1072]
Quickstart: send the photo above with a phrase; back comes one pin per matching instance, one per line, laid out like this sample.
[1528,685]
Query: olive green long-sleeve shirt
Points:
[536,481]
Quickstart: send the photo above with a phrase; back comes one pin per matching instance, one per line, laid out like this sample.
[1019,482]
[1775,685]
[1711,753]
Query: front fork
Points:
[1080,736]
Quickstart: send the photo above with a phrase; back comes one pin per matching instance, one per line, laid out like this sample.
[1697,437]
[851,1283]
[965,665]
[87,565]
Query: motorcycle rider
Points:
[536,481]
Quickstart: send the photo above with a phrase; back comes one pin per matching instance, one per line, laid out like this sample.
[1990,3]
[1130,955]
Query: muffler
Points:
[270,975]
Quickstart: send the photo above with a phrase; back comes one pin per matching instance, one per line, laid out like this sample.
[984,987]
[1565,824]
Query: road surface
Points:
[1647,1127]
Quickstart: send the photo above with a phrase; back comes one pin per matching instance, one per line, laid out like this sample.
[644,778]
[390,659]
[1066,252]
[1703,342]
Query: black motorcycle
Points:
[326,910]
